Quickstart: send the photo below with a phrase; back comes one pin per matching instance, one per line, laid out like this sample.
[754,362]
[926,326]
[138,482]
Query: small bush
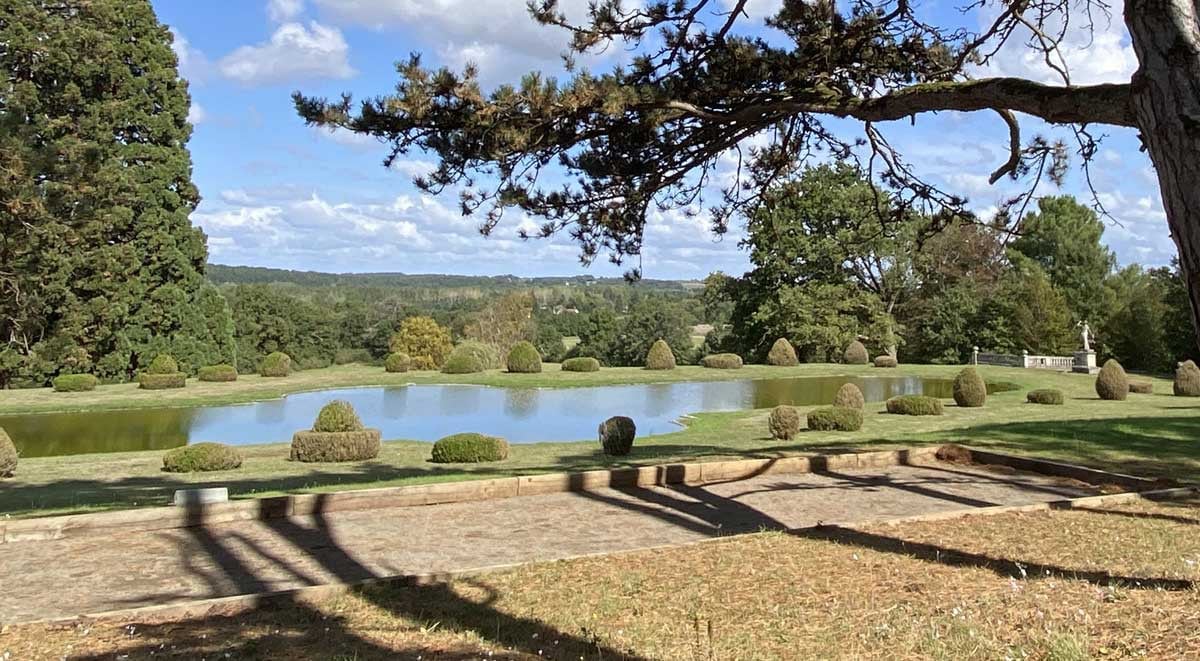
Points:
[8,455]
[969,389]
[311,363]
[616,435]
[396,362]
[782,354]
[348,356]
[914,405]
[581,365]
[1045,396]
[316,446]
[471,357]
[277,364]
[163,364]
[1111,383]
[337,416]
[886,360]
[161,381]
[722,361]
[75,383]
[218,373]
[835,418]
[849,396]
[524,358]
[784,422]
[1141,387]
[469,449]
[1187,380]
[660,356]
[202,458]
[856,354]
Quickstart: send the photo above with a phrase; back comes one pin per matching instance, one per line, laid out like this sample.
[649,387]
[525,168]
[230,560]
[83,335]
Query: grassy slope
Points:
[1148,434]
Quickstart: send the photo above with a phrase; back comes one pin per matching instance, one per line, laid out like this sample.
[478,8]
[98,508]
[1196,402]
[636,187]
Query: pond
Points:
[429,412]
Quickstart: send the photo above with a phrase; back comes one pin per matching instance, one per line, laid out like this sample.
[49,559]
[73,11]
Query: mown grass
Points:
[1117,582]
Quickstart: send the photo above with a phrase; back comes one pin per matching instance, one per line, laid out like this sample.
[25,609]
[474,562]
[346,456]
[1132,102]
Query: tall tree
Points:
[596,153]
[100,268]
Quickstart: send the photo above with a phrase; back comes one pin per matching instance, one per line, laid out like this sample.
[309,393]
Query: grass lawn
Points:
[1119,582]
[1152,435]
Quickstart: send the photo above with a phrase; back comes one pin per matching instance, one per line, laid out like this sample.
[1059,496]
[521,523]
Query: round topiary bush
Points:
[337,416]
[1141,387]
[616,435]
[660,356]
[784,422]
[581,364]
[1187,380]
[524,358]
[396,362]
[202,458]
[849,396]
[886,360]
[163,364]
[75,383]
[277,364]
[722,361]
[218,373]
[469,449]
[782,354]
[969,389]
[1045,396]
[1111,383]
[835,418]
[8,455]
[856,354]
[914,405]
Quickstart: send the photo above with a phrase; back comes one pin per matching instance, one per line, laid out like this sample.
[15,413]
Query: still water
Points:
[428,412]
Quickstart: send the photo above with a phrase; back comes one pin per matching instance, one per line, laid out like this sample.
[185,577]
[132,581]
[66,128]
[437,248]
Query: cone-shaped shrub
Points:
[722,361]
[1141,387]
[886,360]
[1045,396]
[202,458]
[469,448]
[856,354]
[914,405]
[835,418]
[277,364]
[8,455]
[660,356]
[524,358]
[1187,380]
[784,422]
[616,435]
[338,415]
[396,362]
[581,364]
[218,373]
[849,396]
[1112,383]
[782,354]
[969,389]
[75,383]
[163,364]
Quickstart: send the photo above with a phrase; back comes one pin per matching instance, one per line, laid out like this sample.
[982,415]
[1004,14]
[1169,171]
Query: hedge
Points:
[396,362]
[469,449]
[524,358]
[148,381]
[617,434]
[581,365]
[849,396]
[75,383]
[722,361]
[856,354]
[218,373]
[914,405]
[471,357]
[337,416]
[163,364]
[660,356]
[8,455]
[277,364]
[784,422]
[348,356]
[1187,380]
[1141,387]
[202,458]
[886,360]
[835,418]
[1111,383]
[782,354]
[1045,396]
[316,446]
[969,389]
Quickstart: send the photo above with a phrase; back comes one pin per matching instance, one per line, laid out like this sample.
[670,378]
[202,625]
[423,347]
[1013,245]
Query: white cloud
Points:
[284,10]
[196,114]
[193,65]
[1103,54]
[348,138]
[294,52]
[413,167]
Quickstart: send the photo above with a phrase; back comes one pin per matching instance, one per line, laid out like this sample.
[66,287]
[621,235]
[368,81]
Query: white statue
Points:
[1087,336]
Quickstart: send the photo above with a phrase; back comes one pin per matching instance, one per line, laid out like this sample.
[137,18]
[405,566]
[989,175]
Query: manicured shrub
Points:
[8,455]
[471,357]
[162,364]
[581,364]
[660,356]
[161,381]
[524,358]
[1141,387]
[969,389]
[348,356]
[469,449]
[202,458]
[1112,383]
[782,354]
[886,360]
[784,422]
[425,342]
[396,362]
[218,373]
[835,418]
[1187,380]
[315,446]
[337,416]
[849,396]
[856,354]
[914,405]
[616,435]
[722,361]
[277,364]
[75,383]
[1045,396]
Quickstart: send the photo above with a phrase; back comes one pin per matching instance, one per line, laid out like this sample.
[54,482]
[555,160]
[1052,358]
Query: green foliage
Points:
[856,354]
[549,343]
[782,354]
[469,448]
[396,362]
[784,422]
[471,357]
[8,455]
[1141,387]
[849,396]
[337,416]
[722,361]
[1045,396]
[1187,380]
[218,373]
[581,365]
[914,405]
[75,382]
[1039,319]
[503,322]
[202,458]
[660,356]
[616,435]
[834,418]
[148,381]
[163,364]
[350,356]
[969,388]
[523,358]
[886,360]
[269,320]
[277,364]
[426,343]
[647,323]
[328,447]
[1111,382]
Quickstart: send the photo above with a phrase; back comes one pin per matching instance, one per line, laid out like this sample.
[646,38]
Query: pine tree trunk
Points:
[1166,100]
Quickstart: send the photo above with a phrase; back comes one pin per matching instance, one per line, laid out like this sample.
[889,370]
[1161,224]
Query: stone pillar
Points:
[1085,362]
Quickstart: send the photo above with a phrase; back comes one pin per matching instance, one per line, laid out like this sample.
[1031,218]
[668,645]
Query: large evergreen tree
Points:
[100,268]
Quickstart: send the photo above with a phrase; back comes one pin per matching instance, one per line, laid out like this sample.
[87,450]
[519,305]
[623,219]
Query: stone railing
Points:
[1025,360]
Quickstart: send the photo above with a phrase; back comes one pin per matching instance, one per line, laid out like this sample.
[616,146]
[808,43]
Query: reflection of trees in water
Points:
[453,400]
[395,402]
[273,411]
[659,397]
[54,434]
[521,402]
[816,391]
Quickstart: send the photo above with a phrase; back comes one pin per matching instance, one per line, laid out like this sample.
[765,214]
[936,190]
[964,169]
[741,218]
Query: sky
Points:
[279,194]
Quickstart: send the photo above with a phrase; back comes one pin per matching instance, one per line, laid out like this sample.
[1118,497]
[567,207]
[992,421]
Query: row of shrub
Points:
[164,374]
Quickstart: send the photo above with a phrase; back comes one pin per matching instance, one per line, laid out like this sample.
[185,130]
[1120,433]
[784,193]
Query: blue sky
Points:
[279,194]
